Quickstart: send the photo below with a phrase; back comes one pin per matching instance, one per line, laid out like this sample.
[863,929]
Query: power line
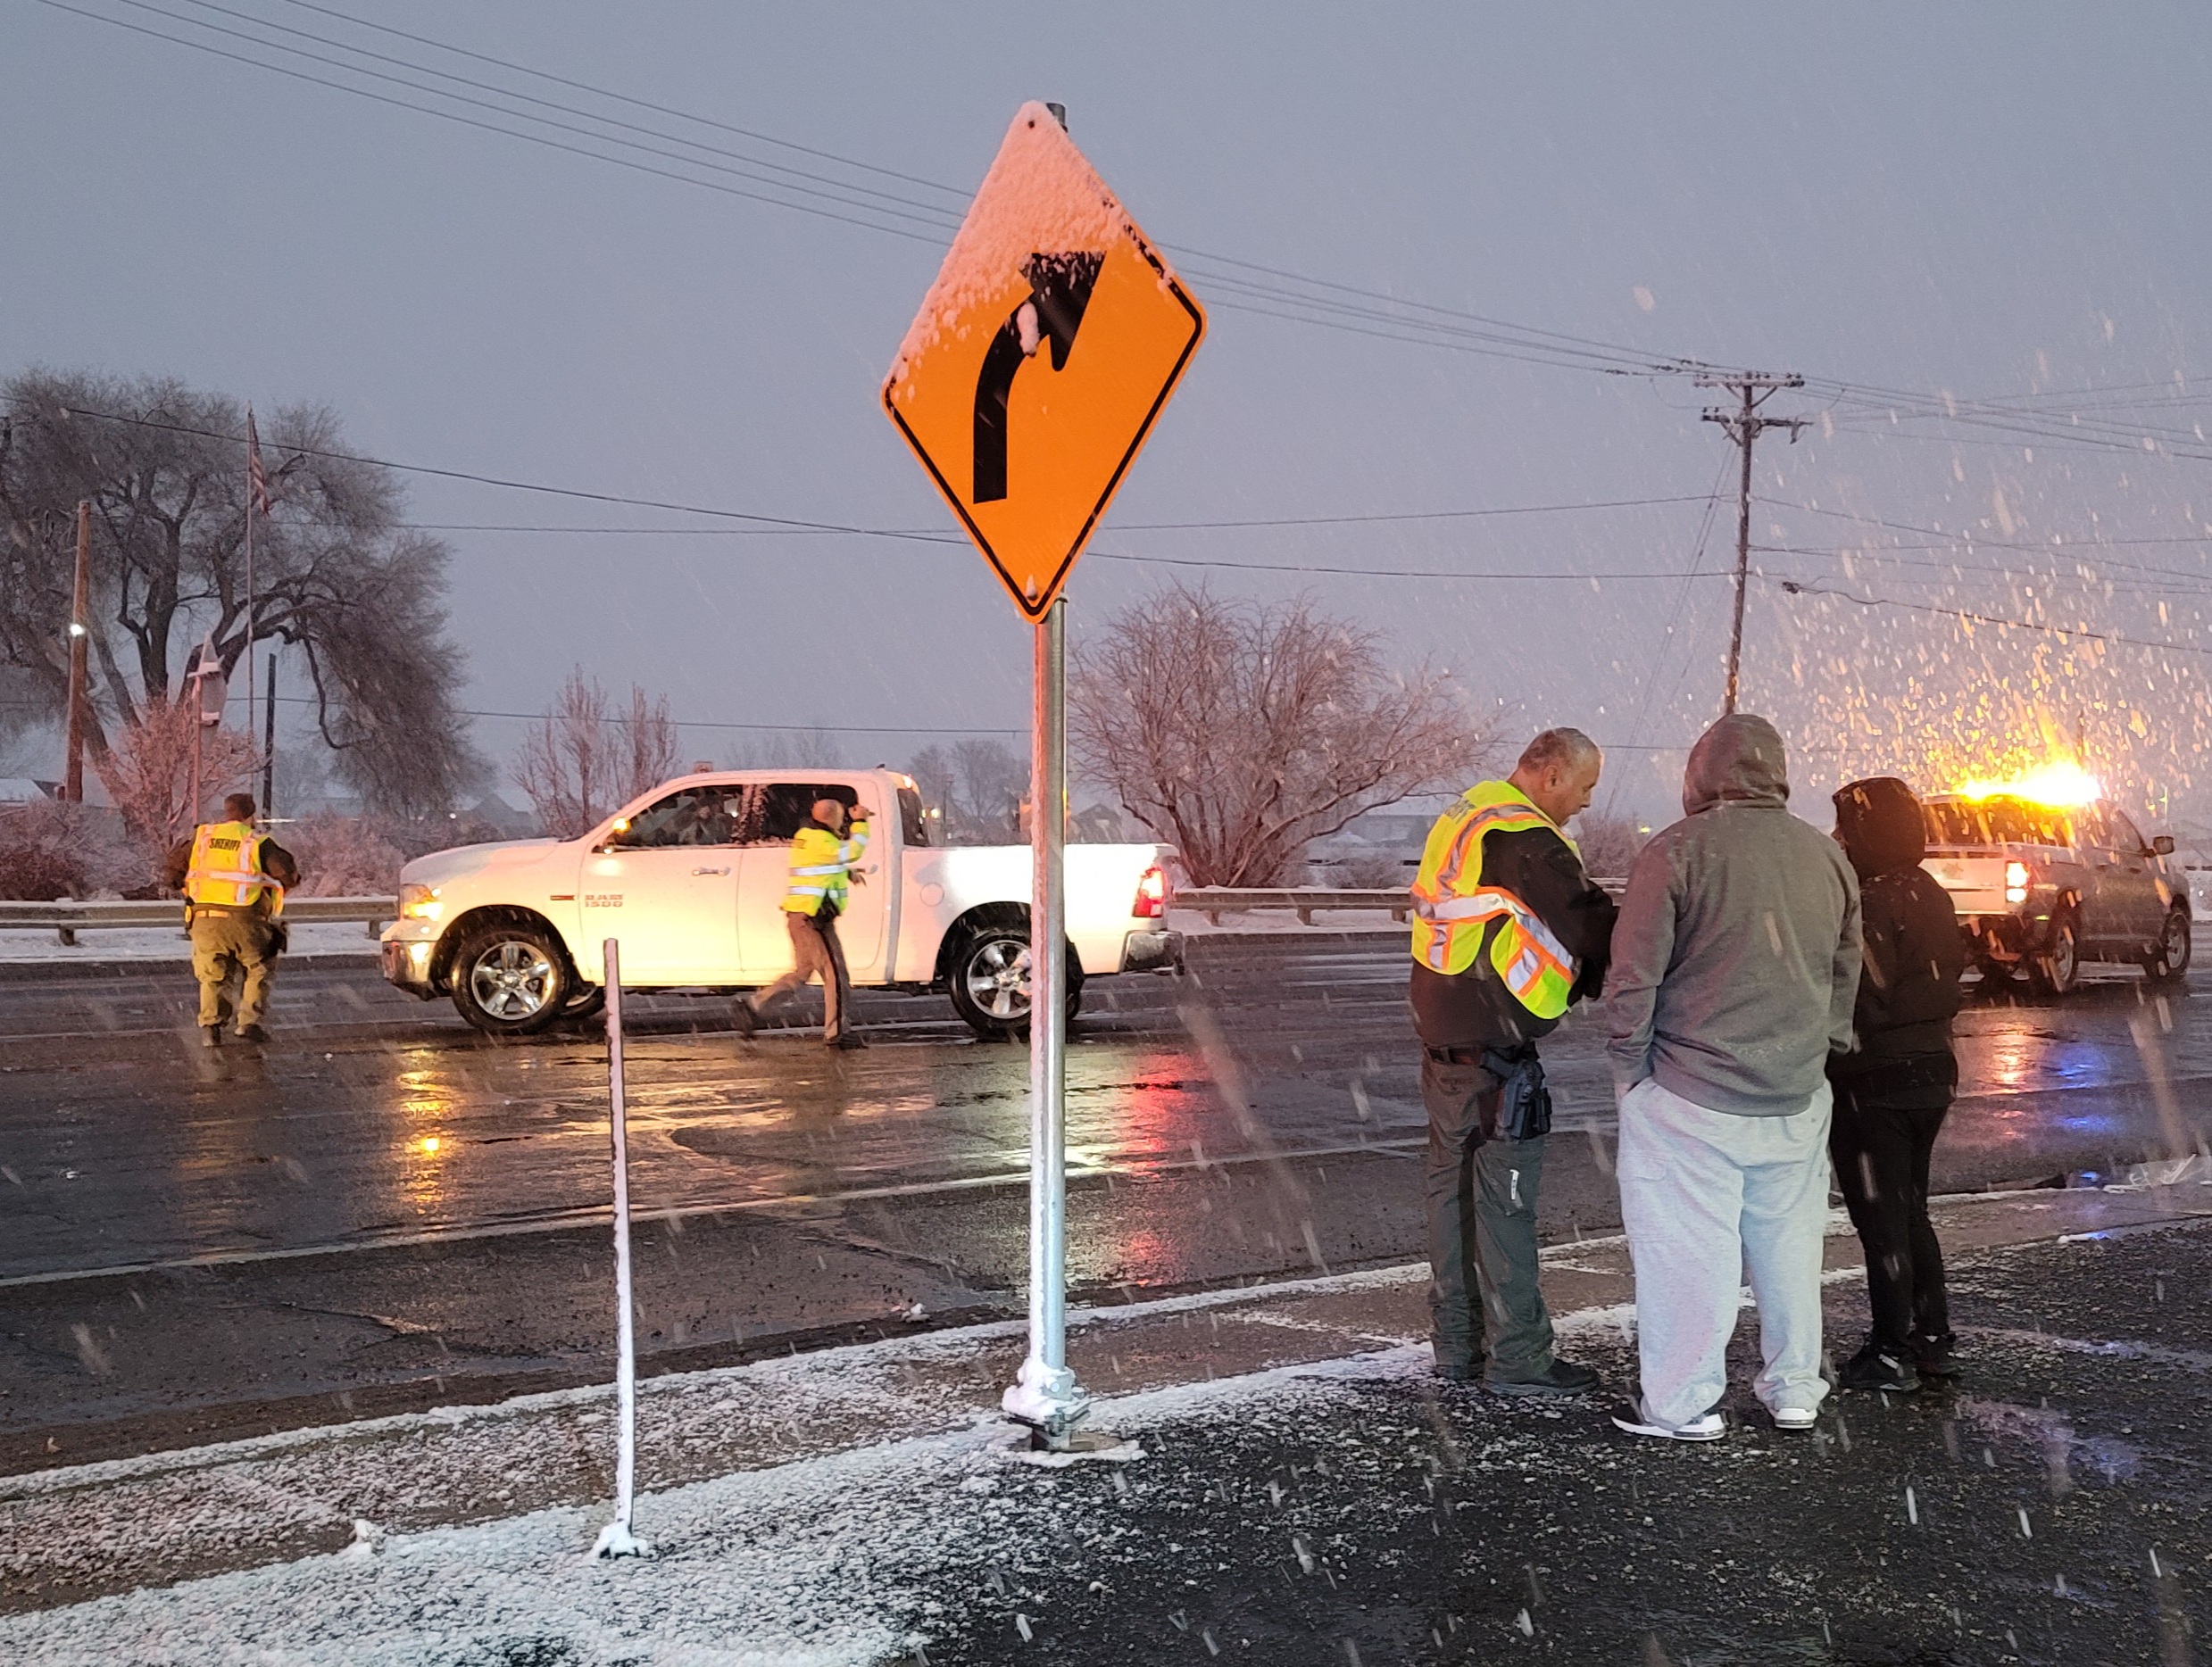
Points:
[788,523]
[687,723]
[1371,313]
[1799,587]
[764,138]
[470,121]
[1119,527]
[1367,311]
[887,202]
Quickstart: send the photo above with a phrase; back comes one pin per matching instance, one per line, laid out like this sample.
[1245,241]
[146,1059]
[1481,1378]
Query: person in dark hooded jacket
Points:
[1894,1086]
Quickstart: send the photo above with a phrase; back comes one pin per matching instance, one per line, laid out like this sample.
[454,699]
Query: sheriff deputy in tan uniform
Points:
[233,879]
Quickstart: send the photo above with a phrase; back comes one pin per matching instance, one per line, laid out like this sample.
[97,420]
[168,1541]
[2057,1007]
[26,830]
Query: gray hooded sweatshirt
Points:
[1735,959]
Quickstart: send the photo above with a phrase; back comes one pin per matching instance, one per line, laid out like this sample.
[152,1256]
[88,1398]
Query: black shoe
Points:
[1932,1358]
[211,1035]
[742,1016]
[252,1034]
[1561,1377]
[1459,1371]
[846,1044]
[1876,1367]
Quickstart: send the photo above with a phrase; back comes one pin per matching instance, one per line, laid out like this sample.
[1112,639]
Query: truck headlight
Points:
[2016,882]
[420,902]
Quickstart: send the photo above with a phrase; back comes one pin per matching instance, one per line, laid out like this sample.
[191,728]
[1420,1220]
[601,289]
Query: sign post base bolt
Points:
[1048,1401]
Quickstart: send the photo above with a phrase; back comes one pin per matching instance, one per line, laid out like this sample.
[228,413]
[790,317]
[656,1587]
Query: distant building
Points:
[494,812]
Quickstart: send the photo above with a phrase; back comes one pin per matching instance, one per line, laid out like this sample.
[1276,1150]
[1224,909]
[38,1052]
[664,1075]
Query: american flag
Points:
[257,477]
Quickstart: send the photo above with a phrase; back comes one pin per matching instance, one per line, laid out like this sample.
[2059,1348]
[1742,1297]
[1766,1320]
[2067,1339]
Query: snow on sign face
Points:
[1041,358]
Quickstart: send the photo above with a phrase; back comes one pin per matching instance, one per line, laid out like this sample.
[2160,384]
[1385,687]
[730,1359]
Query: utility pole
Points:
[80,630]
[1743,426]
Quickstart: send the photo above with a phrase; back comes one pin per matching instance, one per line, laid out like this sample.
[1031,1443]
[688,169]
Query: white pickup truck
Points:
[689,879]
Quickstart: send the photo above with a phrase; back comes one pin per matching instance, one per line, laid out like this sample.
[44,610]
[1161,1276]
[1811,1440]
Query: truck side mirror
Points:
[2163,845]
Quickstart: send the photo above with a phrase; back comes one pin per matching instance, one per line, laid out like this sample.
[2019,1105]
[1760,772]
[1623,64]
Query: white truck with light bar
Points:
[2046,874]
[690,879]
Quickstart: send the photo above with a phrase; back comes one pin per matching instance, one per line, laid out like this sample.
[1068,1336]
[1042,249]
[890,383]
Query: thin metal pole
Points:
[269,741]
[1744,435]
[249,598]
[1045,1396]
[615,1539]
[80,630]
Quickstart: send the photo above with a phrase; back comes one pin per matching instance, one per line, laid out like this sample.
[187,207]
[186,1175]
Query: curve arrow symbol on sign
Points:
[1059,290]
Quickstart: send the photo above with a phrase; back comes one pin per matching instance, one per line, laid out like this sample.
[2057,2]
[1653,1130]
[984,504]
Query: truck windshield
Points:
[1997,822]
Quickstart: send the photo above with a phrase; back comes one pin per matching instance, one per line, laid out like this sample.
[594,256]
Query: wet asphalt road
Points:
[193,1244]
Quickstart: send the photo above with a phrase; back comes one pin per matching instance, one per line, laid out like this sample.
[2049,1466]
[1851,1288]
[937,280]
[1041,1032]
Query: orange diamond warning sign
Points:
[1041,358]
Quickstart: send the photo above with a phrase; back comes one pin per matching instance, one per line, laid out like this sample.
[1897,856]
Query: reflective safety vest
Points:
[226,871]
[818,862]
[1453,909]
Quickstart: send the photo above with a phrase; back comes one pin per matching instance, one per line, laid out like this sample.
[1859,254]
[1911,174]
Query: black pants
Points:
[1484,1305]
[1881,1154]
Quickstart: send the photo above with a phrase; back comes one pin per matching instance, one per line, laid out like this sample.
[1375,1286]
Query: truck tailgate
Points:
[1976,884]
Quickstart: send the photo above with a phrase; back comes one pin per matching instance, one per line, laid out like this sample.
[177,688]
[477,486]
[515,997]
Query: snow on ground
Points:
[822,1563]
[168,943]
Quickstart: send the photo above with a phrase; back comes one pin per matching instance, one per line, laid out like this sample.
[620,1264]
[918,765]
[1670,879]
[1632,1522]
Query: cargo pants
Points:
[1486,1312]
[234,955]
[815,953]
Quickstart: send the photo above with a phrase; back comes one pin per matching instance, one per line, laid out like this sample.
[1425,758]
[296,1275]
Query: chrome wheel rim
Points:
[2062,958]
[511,980]
[2174,948]
[998,979]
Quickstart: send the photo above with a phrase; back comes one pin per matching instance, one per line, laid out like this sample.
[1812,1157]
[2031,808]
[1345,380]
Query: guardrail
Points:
[1306,901]
[68,918]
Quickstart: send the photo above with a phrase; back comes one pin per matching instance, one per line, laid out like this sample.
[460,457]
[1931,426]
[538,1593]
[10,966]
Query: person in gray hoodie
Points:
[1735,961]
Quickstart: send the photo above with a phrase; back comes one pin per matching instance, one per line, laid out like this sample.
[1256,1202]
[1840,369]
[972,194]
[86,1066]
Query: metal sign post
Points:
[1045,1396]
[615,1539]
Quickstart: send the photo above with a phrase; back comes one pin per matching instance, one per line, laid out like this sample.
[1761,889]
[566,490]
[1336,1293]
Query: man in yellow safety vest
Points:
[1507,931]
[233,878]
[820,874]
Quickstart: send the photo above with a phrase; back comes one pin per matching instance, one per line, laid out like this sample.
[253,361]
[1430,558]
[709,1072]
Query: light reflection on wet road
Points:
[373,1115]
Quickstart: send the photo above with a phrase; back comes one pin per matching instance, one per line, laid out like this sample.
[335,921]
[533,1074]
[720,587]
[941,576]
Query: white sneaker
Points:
[1631,1421]
[1795,1417]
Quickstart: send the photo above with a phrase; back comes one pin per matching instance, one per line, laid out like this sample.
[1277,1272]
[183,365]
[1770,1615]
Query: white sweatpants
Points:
[1707,1196]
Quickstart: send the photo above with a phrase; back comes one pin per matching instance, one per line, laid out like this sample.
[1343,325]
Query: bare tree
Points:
[583,759]
[976,788]
[337,572]
[147,771]
[785,748]
[1239,732]
[1609,842]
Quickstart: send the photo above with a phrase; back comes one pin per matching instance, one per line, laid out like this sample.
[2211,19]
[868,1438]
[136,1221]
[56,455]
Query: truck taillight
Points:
[2016,882]
[1151,895]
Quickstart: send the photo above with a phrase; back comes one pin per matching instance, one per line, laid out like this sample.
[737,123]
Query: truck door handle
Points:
[698,871]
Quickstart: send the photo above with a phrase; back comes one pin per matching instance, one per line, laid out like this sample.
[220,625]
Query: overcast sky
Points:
[2001,202]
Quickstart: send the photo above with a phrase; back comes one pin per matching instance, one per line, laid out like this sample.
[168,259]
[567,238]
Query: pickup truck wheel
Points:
[588,1001]
[989,983]
[2058,968]
[2168,962]
[510,980]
